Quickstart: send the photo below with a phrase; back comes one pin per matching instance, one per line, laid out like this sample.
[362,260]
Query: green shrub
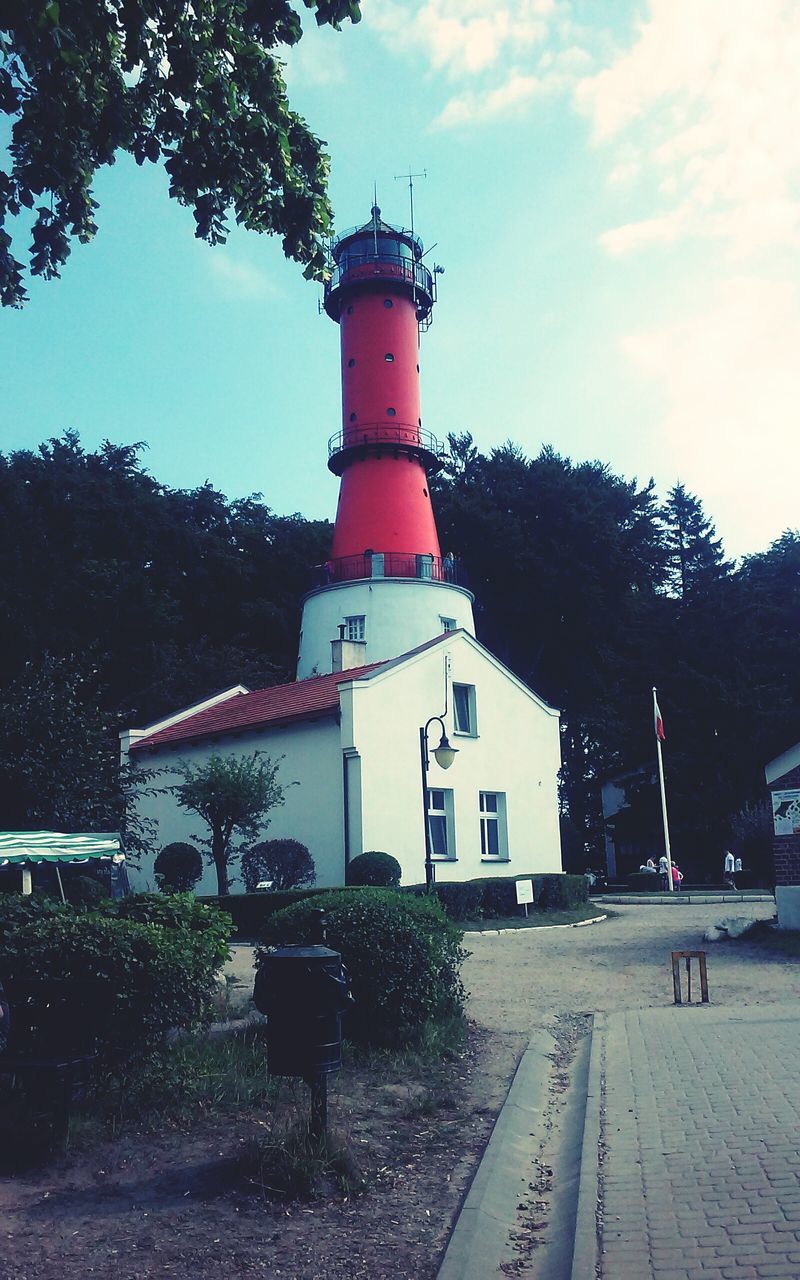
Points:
[287,863]
[209,928]
[462,901]
[374,868]
[559,892]
[645,882]
[84,891]
[17,910]
[178,867]
[158,954]
[402,953]
[500,897]
[250,911]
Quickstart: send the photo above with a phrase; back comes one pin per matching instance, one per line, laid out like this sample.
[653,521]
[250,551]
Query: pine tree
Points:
[696,562]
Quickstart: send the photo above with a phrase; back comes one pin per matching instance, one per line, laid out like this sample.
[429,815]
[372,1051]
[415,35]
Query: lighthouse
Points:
[386,587]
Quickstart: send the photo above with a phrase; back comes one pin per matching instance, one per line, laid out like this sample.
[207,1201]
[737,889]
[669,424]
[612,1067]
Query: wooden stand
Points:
[689,956]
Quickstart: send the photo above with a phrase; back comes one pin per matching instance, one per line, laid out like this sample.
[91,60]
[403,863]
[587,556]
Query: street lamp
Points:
[444,756]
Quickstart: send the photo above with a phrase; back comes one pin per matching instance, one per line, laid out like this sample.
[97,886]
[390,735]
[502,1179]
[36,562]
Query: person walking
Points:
[729,869]
[677,876]
[663,871]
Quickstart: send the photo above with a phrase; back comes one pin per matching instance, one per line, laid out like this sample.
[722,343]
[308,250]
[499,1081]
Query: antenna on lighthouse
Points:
[400,177]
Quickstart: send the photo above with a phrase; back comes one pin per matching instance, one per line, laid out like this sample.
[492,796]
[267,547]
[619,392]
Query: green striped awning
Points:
[54,846]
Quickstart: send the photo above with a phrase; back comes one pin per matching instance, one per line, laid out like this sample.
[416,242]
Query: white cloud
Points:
[705,104]
[471,108]
[463,37]
[730,381]
[237,279]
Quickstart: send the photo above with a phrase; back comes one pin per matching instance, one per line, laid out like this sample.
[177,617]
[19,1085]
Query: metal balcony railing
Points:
[390,564]
[402,435]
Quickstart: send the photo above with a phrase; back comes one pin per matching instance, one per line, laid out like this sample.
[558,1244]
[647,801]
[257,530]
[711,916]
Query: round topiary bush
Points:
[374,868]
[402,953]
[84,891]
[287,863]
[178,867]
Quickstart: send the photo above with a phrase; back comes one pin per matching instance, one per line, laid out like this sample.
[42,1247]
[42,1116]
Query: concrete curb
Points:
[538,928]
[479,1242]
[586,1253]
[682,899]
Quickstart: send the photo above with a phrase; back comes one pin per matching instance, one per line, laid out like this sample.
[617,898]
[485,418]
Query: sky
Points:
[613,189]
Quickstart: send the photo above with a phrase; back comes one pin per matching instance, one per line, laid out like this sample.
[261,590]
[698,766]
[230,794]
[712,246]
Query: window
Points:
[494,838]
[448,624]
[387,302]
[440,823]
[391,412]
[464,717]
[352,417]
[389,358]
[356,628]
[350,363]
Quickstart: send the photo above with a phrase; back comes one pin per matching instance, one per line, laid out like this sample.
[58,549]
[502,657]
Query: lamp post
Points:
[444,756]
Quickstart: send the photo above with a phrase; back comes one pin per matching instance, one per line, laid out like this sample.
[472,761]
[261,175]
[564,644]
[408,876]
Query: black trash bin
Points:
[303,990]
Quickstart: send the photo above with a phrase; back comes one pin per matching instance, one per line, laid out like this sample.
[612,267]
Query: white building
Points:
[387,646]
[349,744]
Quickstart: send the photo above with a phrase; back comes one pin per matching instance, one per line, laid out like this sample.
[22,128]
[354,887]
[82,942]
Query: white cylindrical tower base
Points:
[398,614]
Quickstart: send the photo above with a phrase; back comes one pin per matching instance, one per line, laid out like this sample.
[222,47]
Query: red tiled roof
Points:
[279,703]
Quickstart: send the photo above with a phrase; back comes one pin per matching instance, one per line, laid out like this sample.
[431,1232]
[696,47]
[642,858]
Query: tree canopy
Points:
[199,87]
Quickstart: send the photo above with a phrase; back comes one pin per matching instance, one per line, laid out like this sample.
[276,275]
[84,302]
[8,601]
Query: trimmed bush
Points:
[500,897]
[559,892]
[402,953]
[287,863]
[461,901]
[178,867]
[645,882]
[374,868]
[160,966]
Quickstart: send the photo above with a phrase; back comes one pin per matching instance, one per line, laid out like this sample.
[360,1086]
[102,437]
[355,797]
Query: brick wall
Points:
[786,849]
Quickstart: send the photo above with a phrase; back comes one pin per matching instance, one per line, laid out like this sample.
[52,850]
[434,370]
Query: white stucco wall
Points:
[516,753]
[787,899]
[312,812]
[400,613]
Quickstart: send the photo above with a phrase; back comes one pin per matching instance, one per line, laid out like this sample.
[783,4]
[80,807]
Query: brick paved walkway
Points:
[700,1144]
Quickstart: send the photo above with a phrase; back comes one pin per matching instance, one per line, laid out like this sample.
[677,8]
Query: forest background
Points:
[124,599]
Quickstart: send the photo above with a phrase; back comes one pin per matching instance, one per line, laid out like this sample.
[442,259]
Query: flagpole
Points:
[663,794]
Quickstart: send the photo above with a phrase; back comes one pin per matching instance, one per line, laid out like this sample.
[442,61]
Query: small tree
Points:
[178,867]
[287,863]
[231,794]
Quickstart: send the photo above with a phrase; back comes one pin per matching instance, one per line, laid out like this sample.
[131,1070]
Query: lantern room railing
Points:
[358,268]
[390,564]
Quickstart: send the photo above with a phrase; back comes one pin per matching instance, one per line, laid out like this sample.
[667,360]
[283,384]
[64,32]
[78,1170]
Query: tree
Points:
[231,794]
[198,86]
[287,863]
[59,765]
[695,561]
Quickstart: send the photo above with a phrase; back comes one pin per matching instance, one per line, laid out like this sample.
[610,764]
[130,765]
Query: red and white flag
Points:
[659,721]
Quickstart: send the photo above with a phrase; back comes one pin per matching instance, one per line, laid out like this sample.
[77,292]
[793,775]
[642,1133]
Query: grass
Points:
[536,919]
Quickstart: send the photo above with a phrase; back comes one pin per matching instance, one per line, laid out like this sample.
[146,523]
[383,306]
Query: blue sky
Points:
[613,189]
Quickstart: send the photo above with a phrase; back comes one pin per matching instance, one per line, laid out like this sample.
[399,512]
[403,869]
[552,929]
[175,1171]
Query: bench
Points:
[52,1045]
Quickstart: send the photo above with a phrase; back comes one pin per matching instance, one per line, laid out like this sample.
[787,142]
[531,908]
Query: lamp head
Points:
[444,754]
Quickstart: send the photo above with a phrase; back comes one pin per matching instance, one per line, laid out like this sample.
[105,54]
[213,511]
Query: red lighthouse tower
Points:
[381,294]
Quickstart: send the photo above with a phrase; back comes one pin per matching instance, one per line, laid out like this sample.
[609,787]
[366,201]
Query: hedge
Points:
[488,897]
[403,955]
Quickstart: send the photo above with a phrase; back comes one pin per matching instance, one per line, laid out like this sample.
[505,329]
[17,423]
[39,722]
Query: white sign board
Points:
[786,813]
[524,891]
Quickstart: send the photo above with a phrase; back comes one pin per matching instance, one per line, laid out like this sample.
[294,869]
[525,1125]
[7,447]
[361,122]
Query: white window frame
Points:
[356,627]
[472,707]
[444,811]
[448,624]
[493,818]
